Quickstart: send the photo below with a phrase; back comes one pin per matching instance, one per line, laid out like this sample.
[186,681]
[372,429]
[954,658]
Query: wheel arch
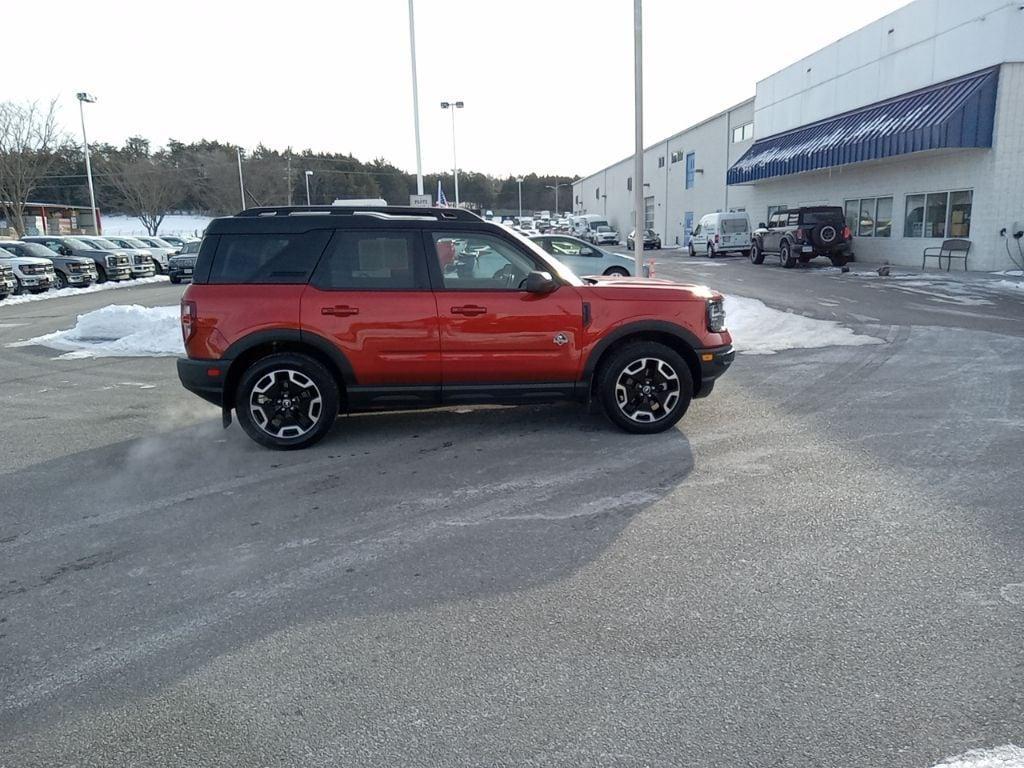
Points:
[673,336]
[247,350]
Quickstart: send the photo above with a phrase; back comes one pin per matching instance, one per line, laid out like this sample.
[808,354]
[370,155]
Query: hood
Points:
[615,288]
[24,261]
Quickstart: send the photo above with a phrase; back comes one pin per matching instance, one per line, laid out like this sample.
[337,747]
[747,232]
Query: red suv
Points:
[297,314]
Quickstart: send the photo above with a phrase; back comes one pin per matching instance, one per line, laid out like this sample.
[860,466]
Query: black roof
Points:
[301,218]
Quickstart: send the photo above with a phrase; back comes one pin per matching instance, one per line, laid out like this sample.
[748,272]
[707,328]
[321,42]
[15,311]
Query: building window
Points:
[677,156]
[743,132]
[939,214]
[661,161]
[597,193]
[648,213]
[691,167]
[629,184]
[870,216]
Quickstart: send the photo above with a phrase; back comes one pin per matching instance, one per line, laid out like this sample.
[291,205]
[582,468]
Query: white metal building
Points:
[915,124]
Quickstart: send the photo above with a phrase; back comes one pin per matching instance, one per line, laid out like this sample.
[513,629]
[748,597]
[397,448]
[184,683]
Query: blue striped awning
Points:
[957,113]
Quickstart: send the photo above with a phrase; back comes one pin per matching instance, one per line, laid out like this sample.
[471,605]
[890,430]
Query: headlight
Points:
[716,315]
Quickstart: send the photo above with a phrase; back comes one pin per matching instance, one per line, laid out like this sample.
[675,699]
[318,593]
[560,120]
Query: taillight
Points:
[188,320]
[847,233]
[799,233]
[716,238]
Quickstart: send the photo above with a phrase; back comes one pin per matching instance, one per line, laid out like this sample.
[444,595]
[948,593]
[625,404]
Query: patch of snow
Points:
[757,329]
[1009,273]
[118,330]
[94,288]
[1007,756]
[173,224]
[1012,285]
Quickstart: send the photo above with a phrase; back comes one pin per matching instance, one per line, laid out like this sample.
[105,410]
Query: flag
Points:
[442,201]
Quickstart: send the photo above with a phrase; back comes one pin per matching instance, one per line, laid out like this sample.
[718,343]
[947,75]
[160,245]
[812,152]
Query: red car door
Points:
[370,297]
[493,332]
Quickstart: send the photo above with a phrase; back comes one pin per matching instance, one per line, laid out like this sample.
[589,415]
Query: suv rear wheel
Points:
[286,401]
[786,257]
[645,387]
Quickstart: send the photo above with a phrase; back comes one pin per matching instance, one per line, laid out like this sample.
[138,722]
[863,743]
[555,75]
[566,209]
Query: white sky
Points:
[548,84]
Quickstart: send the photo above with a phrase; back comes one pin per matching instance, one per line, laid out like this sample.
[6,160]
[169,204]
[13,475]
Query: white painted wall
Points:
[606,192]
[923,43]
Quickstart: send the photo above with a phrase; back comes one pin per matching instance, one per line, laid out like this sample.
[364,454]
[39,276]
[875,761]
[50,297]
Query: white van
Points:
[721,233]
[582,225]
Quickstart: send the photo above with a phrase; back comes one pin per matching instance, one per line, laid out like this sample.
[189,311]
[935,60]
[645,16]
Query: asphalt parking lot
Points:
[823,565]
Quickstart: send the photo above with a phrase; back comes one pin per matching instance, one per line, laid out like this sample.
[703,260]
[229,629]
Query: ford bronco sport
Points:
[798,235]
[297,314]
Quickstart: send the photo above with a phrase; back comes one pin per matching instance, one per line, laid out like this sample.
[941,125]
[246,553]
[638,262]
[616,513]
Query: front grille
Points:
[140,259]
[33,269]
[184,262]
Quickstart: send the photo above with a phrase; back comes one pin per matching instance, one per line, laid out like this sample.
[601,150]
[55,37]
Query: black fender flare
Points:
[635,328]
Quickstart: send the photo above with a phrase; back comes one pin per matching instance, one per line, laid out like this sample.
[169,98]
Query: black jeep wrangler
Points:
[800,234]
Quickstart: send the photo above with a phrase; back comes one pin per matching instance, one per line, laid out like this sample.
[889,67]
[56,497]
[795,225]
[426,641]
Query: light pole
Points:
[308,174]
[415,101]
[241,184]
[638,160]
[453,105]
[83,99]
[519,181]
[556,188]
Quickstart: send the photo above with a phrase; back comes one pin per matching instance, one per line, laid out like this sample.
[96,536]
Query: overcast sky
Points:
[548,84]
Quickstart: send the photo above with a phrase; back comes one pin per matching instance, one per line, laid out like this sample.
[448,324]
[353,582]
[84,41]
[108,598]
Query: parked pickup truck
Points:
[109,265]
[798,235]
[68,270]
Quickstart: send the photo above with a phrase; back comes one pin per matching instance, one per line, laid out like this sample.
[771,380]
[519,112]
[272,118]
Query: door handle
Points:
[469,310]
[340,310]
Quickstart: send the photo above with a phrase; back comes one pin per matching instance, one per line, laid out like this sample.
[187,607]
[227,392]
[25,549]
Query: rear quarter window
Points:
[287,258]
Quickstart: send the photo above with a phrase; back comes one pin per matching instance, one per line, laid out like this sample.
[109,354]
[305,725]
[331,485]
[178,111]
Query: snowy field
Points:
[173,224]
[120,330]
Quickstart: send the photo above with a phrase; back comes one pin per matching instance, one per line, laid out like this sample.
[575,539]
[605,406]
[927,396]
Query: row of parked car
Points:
[37,263]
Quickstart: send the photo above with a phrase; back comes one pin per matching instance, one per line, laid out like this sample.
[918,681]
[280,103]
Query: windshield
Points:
[135,243]
[102,242]
[31,249]
[78,242]
[191,247]
[604,229]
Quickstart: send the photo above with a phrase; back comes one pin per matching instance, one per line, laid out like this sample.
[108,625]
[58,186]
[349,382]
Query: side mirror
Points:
[64,251]
[540,282]
[761,226]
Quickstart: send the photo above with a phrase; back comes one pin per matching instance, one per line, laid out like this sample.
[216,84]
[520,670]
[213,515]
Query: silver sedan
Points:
[584,258]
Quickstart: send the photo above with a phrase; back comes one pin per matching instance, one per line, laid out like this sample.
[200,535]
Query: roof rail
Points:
[440,214]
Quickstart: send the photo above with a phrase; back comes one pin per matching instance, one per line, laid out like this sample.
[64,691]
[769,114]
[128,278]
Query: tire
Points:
[175,279]
[62,281]
[786,257]
[671,387]
[756,254]
[101,274]
[276,375]
[157,267]
[18,287]
[838,261]
[616,272]
[693,251]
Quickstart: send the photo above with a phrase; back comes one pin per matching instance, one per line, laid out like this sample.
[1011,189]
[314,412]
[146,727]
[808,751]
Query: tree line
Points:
[41,162]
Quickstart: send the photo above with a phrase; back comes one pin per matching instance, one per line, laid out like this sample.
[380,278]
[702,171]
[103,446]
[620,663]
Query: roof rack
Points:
[440,214]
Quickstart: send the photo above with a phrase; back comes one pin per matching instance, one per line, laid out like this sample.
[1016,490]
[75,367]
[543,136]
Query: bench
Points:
[949,250]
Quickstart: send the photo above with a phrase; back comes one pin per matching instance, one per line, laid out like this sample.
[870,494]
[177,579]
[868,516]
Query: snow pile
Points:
[118,330]
[173,224]
[1008,756]
[1010,285]
[760,330]
[58,293]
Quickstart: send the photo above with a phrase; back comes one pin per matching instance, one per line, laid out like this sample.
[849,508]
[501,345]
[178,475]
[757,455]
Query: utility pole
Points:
[453,105]
[241,184]
[289,178]
[416,103]
[83,99]
[638,160]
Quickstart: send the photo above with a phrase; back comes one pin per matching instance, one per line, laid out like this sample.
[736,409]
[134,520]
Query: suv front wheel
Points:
[756,254]
[286,401]
[786,257]
[645,387]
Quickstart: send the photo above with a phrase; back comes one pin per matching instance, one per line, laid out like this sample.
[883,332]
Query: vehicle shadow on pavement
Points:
[195,542]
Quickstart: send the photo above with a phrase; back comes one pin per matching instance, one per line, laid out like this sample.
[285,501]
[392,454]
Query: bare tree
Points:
[29,141]
[149,185]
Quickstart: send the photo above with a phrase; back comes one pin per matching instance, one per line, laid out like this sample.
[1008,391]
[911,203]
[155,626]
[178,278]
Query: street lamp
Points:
[556,187]
[453,105]
[519,181]
[308,174]
[83,99]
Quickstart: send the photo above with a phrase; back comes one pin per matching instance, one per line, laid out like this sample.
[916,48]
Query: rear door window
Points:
[374,260]
[287,258]
[733,226]
[832,216]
